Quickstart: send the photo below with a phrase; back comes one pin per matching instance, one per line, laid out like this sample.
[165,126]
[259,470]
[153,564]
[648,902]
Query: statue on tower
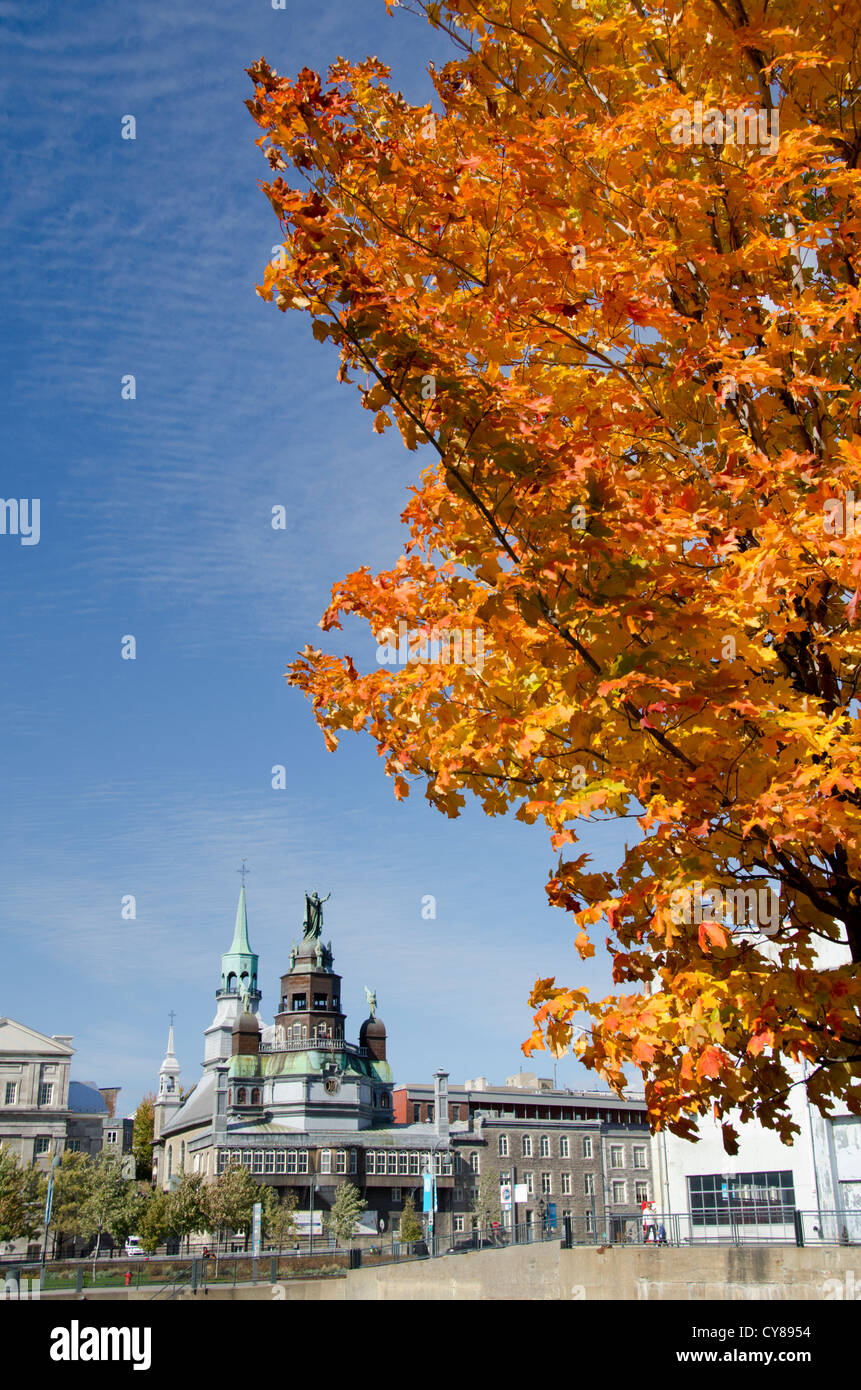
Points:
[371,996]
[313,923]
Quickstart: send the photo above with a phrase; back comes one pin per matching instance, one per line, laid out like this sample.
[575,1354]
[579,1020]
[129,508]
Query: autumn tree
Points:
[189,1209]
[142,1136]
[610,283]
[154,1224]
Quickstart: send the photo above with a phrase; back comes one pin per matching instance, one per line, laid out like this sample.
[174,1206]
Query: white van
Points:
[133,1246]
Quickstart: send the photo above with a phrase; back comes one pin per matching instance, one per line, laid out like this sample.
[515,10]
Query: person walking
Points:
[650,1223]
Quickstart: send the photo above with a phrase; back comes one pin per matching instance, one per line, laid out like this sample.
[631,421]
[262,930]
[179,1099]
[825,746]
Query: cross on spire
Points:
[171,1016]
[243,871]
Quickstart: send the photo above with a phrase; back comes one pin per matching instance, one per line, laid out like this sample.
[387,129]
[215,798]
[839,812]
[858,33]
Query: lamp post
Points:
[49,1205]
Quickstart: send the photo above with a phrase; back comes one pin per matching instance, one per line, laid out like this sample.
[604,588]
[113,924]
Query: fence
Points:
[754,1224]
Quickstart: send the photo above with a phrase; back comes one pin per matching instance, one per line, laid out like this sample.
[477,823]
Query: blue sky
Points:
[153,777]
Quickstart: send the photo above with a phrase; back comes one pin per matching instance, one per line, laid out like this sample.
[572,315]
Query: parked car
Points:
[133,1246]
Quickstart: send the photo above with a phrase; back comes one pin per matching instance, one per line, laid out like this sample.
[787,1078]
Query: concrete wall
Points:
[546,1272]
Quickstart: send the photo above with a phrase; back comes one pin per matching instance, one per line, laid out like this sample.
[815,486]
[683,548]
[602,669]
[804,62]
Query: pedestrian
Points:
[650,1222]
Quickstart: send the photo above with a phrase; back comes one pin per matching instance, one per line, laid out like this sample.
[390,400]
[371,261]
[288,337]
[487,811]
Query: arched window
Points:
[289,1032]
[169,1160]
[231,982]
[503,1146]
[255,1097]
[240,1096]
[182,1157]
[545,1146]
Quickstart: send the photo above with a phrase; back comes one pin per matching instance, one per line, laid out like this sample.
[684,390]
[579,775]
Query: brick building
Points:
[586,1153]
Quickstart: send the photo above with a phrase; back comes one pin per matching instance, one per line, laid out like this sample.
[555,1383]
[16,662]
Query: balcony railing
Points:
[314,1045]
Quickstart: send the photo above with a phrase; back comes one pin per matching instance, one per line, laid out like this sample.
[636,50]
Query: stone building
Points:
[584,1154]
[294,1100]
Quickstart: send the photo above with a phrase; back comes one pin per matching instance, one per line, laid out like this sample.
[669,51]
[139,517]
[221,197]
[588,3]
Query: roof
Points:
[17,1039]
[196,1109]
[86,1100]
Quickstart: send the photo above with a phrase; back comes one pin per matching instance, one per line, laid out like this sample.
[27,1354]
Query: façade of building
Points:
[295,1101]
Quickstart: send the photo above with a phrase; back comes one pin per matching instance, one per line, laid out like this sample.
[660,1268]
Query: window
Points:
[281,1161]
[641,1191]
[291,1160]
[269,1161]
[222,1160]
[546,1184]
[503,1146]
[11,1092]
[475,1163]
[545,1147]
[255,1097]
[245,1157]
[618,1192]
[589,1184]
[320,1001]
[529,1179]
[396,1194]
[527,1146]
[299,1001]
[257,1165]
[341,1161]
[639,1156]
[589,1222]
[458,1223]
[169,1160]
[417,1112]
[587,1146]
[384,1100]
[391,1161]
[240,1096]
[325,1160]
[564,1147]
[566,1184]
[302,1160]
[617,1156]
[744,1198]
[43,1144]
[403,1162]
[458,1194]
[414,1164]
[110,1136]
[46,1093]
[353,1165]
[73,1145]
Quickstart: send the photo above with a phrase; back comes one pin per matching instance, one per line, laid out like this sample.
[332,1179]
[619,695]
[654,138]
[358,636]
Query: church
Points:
[293,1100]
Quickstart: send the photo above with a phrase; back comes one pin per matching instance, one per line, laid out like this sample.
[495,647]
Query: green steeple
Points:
[239,964]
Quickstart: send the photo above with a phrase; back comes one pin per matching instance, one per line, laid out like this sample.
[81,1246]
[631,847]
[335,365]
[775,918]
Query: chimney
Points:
[440,1097]
[109,1096]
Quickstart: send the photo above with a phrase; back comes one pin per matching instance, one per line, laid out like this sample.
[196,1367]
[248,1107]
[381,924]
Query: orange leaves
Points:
[639,420]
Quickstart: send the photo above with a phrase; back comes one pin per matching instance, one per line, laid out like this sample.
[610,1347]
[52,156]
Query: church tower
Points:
[168,1101]
[237,992]
[310,1014]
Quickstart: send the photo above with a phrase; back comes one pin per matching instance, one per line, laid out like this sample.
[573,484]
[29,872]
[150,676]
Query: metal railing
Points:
[752,1223]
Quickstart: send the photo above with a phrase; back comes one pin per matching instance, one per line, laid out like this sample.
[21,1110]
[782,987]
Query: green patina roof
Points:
[240,957]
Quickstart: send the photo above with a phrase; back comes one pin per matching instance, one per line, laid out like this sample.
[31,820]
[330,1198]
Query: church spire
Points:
[239,964]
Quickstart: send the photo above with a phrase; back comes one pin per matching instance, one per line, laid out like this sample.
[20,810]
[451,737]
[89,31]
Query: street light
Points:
[49,1204]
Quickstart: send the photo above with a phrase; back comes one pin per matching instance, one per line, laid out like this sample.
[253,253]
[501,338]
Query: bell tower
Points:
[238,983]
[310,1016]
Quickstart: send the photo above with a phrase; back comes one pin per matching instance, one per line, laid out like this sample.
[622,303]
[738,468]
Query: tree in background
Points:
[72,1184]
[279,1217]
[154,1224]
[343,1218]
[103,1206]
[189,1207]
[231,1201]
[22,1198]
[612,286]
[142,1136]
[410,1227]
